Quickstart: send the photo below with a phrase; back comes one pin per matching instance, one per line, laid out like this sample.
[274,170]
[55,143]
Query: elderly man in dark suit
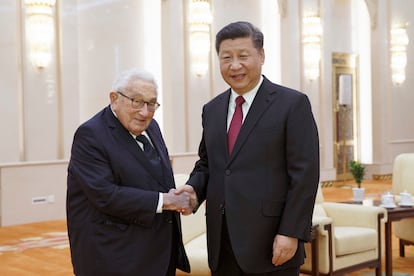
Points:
[121,206]
[259,165]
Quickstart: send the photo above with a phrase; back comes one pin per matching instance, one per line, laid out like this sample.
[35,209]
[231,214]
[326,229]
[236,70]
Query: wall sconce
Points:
[40,30]
[399,42]
[200,20]
[311,39]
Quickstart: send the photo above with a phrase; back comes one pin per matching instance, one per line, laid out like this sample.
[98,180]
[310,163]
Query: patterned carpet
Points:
[393,274]
[56,240]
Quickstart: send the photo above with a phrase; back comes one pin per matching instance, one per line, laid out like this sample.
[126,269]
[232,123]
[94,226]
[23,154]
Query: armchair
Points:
[403,180]
[349,237]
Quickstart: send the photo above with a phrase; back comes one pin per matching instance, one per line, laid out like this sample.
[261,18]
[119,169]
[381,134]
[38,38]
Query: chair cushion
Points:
[350,240]
[404,229]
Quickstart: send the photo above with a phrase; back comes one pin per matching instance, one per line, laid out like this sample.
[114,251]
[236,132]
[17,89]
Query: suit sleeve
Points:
[199,176]
[302,157]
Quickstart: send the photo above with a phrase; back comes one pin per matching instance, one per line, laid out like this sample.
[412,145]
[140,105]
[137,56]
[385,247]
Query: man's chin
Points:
[138,129]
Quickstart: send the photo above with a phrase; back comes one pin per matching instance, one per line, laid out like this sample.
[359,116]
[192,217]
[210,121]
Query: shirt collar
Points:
[248,96]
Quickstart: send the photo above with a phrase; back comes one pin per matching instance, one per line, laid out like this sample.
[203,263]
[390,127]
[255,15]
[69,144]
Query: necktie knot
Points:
[144,140]
[239,100]
[149,150]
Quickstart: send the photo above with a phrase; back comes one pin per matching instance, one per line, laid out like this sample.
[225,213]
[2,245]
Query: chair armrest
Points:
[344,214]
[321,222]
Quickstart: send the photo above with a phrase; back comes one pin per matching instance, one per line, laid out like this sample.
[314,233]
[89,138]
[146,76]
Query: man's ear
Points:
[113,96]
[262,56]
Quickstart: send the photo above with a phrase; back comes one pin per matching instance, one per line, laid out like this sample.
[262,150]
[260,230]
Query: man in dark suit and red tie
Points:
[121,206]
[258,166]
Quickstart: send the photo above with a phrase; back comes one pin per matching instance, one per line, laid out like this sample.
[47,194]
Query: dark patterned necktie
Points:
[150,152]
[235,124]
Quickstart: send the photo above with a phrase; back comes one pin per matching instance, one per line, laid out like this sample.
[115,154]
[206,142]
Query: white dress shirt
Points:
[248,100]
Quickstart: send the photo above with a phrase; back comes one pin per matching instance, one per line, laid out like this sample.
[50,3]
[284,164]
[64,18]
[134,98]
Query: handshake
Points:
[183,200]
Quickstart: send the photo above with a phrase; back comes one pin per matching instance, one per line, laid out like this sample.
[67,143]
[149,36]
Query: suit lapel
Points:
[221,122]
[263,99]
[159,146]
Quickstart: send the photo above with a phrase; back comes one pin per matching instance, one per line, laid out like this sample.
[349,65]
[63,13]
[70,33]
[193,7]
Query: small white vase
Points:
[358,194]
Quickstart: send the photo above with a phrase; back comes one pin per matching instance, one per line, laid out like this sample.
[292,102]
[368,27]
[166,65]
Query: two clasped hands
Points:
[184,200]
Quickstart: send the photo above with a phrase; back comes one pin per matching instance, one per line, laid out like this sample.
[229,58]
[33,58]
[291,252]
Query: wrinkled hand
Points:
[284,248]
[176,201]
[193,198]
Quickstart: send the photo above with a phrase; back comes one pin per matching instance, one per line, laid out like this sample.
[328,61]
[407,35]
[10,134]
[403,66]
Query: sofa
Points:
[194,236]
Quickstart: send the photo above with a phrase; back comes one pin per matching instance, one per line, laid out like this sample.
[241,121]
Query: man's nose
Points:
[235,64]
[144,110]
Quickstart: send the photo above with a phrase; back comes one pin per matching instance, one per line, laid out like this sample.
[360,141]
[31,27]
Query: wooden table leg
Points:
[388,249]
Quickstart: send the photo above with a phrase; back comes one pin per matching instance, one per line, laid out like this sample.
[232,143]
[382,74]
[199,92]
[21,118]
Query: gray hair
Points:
[126,77]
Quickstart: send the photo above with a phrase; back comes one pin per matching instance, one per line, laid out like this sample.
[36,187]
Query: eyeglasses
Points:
[138,104]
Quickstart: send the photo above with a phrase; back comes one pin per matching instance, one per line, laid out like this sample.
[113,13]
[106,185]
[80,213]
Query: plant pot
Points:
[358,194]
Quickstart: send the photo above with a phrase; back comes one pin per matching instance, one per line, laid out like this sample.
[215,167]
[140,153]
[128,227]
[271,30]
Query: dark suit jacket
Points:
[112,196]
[268,184]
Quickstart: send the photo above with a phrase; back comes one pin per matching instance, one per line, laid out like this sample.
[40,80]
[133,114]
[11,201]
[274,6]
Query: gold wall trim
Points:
[382,176]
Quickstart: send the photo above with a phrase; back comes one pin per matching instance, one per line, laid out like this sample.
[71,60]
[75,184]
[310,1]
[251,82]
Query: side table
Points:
[394,214]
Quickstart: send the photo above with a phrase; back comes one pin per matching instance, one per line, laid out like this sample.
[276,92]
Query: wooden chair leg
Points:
[378,271]
[402,250]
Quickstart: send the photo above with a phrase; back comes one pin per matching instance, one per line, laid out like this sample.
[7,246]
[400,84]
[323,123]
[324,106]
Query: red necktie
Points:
[235,124]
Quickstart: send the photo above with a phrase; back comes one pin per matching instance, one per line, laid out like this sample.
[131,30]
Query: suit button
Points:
[221,208]
[228,172]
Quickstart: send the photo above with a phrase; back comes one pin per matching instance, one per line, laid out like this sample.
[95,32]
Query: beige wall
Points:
[32,192]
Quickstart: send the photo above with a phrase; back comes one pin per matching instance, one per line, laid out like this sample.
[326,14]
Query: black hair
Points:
[240,29]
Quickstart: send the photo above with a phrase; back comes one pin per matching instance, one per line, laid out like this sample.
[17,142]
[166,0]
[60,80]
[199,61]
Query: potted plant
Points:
[358,172]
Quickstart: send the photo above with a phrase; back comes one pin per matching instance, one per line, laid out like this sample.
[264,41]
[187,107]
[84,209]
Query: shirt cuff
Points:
[160,203]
